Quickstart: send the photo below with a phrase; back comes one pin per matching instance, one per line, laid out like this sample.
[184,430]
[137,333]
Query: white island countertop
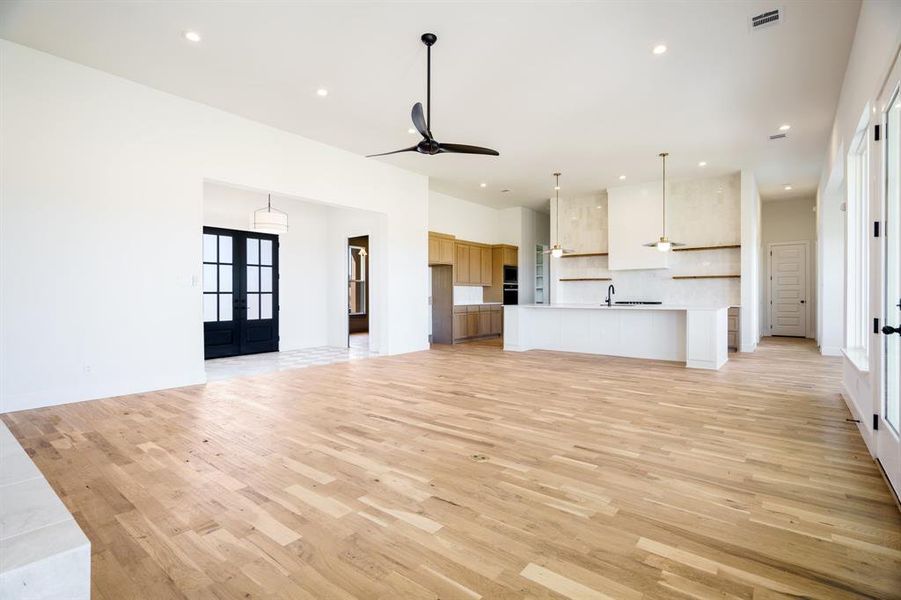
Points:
[694,335]
[625,306]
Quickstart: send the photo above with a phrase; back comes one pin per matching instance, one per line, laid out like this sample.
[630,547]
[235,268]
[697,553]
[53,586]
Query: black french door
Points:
[240,292]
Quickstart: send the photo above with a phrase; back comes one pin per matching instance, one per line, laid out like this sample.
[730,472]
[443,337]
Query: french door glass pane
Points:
[265,279]
[209,278]
[225,307]
[225,278]
[253,307]
[253,279]
[265,252]
[225,248]
[209,307]
[209,248]
[266,306]
[253,251]
[892,406]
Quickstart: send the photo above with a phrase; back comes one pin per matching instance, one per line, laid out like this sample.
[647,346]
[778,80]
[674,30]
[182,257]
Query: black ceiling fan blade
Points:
[464,149]
[410,149]
[419,121]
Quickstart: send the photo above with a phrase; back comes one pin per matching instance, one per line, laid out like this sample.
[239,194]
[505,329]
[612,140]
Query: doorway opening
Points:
[240,292]
[358,309]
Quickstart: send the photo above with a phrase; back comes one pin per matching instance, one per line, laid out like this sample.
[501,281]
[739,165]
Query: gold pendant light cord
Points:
[663,155]
[557,208]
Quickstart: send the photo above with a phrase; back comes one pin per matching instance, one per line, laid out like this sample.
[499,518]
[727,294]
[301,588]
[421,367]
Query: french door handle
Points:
[889,330]
[803,301]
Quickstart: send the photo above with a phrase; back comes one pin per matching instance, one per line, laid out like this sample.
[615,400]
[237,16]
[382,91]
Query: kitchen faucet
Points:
[610,291]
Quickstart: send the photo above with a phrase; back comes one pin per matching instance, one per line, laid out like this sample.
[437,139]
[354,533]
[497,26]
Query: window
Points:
[356,279]
[858,247]
[217,278]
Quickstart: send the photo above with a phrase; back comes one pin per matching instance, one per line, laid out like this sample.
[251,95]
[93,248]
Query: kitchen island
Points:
[694,335]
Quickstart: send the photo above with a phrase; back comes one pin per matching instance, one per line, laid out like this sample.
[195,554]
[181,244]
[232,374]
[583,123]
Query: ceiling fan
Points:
[429,145]
[557,250]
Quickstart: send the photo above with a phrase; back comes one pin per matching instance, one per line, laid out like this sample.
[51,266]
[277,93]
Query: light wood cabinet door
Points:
[475,265]
[461,266]
[445,251]
[511,257]
[441,249]
[460,328]
[434,250]
[486,266]
[485,323]
[497,322]
[472,324]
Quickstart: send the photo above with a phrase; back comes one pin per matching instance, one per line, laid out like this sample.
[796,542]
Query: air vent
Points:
[766,19]
[778,136]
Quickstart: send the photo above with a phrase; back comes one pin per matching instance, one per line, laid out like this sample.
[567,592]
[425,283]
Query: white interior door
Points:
[788,289]
[888,435]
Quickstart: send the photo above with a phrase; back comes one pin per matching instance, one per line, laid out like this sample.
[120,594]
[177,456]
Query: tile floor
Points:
[218,369]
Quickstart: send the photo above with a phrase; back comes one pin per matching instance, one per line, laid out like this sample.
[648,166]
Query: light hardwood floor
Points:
[468,472]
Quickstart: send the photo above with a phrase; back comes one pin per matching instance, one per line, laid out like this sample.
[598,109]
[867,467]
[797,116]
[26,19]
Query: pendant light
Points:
[664,244]
[557,250]
[270,220]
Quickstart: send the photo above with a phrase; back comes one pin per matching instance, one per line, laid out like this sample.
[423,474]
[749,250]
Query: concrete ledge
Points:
[43,552]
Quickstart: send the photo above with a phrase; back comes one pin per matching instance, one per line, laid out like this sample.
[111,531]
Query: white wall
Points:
[876,43]
[465,220]
[101,182]
[789,220]
[344,223]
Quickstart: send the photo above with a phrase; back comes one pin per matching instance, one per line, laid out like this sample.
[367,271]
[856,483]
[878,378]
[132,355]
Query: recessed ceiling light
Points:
[192,36]
[483,185]
[703,163]
[659,49]
[785,127]
[622,177]
[322,92]
[411,130]
[787,188]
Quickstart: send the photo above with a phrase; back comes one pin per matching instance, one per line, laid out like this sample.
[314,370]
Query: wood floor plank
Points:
[468,472]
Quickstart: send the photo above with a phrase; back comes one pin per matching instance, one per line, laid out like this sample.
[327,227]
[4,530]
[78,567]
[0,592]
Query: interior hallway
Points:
[443,473]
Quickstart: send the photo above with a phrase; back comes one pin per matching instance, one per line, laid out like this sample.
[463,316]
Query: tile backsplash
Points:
[467,294]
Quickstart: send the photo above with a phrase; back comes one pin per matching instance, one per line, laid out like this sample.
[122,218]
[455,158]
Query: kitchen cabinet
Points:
[732,329]
[502,255]
[486,266]
[475,265]
[442,249]
[460,331]
[472,324]
[497,321]
[485,322]
[478,321]
[511,256]
[461,266]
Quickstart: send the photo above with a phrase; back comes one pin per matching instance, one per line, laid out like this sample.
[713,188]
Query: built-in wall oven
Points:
[511,285]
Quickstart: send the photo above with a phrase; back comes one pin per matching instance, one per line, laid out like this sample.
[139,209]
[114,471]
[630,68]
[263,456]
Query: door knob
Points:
[889,330]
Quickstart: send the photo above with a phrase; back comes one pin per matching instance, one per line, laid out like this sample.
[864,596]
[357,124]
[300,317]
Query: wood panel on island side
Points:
[468,472]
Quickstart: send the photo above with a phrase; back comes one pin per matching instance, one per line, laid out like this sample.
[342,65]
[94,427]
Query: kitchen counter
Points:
[682,307]
[695,335]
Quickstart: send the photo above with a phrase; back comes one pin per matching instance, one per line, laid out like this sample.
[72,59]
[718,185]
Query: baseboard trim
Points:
[863,423]
[830,350]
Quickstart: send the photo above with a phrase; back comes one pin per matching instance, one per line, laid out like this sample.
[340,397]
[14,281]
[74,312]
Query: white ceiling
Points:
[570,86]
